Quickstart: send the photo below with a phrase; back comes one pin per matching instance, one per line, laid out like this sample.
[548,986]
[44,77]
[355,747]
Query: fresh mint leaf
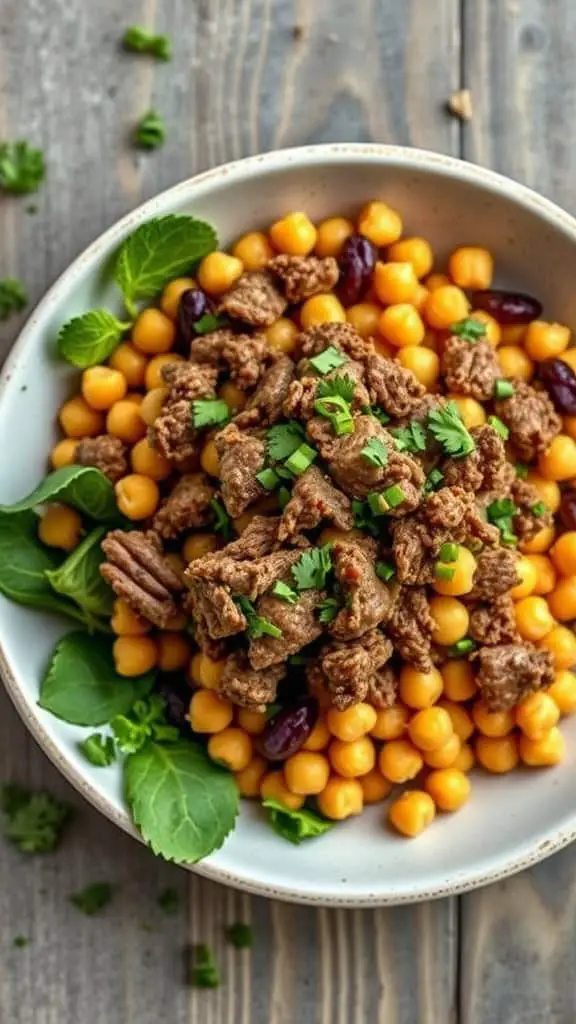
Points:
[79,579]
[93,898]
[150,132]
[240,935]
[312,568]
[82,686]
[85,488]
[375,452]
[183,803]
[139,40]
[98,750]
[33,822]
[145,720]
[13,297]
[295,826]
[89,339]
[446,426]
[21,167]
[209,412]
[283,440]
[337,387]
[158,251]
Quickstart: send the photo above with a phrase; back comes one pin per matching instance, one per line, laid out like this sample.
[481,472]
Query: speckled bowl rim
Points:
[235,173]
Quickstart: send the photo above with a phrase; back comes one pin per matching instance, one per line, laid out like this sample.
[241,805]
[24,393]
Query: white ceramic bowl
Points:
[511,821]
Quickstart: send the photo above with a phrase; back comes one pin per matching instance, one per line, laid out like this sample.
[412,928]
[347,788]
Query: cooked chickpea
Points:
[515,363]
[231,394]
[322,309]
[533,618]
[294,234]
[249,780]
[471,267]
[547,750]
[497,754]
[178,622]
[546,341]
[446,306]
[401,325]
[78,419]
[173,651]
[435,281]
[231,748]
[253,250]
[399,761]
[451,620]
[562,600]
[527,578]
[199,544]
[412,812]
[563,553]
[375,787]
[60,527]
[130,363]
[282,336]
[536,714]
[173,292]
[147,461]
[354,758]
[445,756]
[253,722]
[395,282]
[380,224]
[124,420]
[430,728]
[218,271]
[153,332]
[137,496]
[569,427]
[331,235]
[102,386]
[352,723]
[492,723]
[319,738]
[126,622]
[209,459]
[561,642]
[513,334]
[416,251]
[205,671]
[563,691]
[420,297]
[341,799]
[364,317]
[460,717]
[424,363]
[462,580]
[273,787]
[540,542]
[209,713]
[243,522]
[134,655]
[449,788]
[459,682]
[63,453]
[465,760]
[419,689]
[493,330]
[472,412]
[306,773]
[153,377]
[391,723]
[559,461]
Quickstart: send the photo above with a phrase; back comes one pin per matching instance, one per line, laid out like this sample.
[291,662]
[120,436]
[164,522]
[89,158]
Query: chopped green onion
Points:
[301,459]
[284,592]
[394,496]
[330,359]
[336,409]
[503,389]
[268,478]
[283,497]
[539,509]
[376,504]
[448,552]
[343,423]
[385,571]
[462,647]
[501,508]
[499,427]
[443,572]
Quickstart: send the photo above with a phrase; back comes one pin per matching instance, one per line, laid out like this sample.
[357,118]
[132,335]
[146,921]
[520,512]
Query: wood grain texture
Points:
[518,936]
[240,82]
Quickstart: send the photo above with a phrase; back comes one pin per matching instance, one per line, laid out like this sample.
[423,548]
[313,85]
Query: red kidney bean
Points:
[559,380]
[177,694]
[508,308]
[568,508]
[194,304]
[288,730]
[357,261]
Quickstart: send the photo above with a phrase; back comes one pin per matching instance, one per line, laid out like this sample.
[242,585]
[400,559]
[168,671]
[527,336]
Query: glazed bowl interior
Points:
[510,821]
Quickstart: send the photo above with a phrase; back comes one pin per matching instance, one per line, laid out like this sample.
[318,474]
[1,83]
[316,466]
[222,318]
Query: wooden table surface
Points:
[251,75]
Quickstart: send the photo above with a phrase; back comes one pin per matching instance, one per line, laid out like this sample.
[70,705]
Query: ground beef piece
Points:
[214,611]
[382,688]
[494,623]
[138,573]
[259,538]
[509,672]
[247,687]
[247,577]
[303,393]
[351,671]
[368,601]
[470,368]
[344,337]
[186,507]
[173,433]
[410,628]
[495,573]
[421,411]
[358,476]
[525,497]
[531,419]
[242,355]
[215,649]
[265,406]
[255,299]
[106,453]
[392,387]
[303,276]
[298,623]
[485,469]
[241,457]
[313,499]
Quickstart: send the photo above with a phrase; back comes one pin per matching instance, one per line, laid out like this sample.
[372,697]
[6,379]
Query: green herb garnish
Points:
[268,479]
[139,40]
[222,522]
[240,935]
[394,496]
[337,387]
[301,459]
[204,971]
[503,388]
[434,479]
[284,593]
[283,497]
[13,297]
[89,339]
[21,167]
[411,438]
[98,750]
[443,572]
[446,426]
[330,359]
[283,439]
[469,329]
[146,720]
[33,822]
[499,427]
[521,470]
[258,626]
[501,514]
[79,578]
[539,509]
[312,568]
[93,898]
[385,571]
[376,504]
[337,410]
[20,941]
[83,487]
[448,552]
[295,826]
[462,647]
[169,901]
[327,610]
[209,412]
[150,132]
[378,413]
[375,452]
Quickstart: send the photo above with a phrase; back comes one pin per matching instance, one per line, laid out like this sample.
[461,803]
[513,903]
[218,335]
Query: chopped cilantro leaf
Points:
[21,167]
[539,509]
[469,329]
[330,359]
[204,970]
[145,721]
[337,387]
[240,935]
[139,40]
[258,626]
[385,571]
[327,610]
[364,518]
[34,822]
[284,592]
[150,132]
[312,568]
[208,323]
[375,452]
[499,427]
[169,901]
[13,297]
[283,439]
[462,647]
[208,412]
[446,426]
[222,522]
[378,413]
[93,898]
[411,438]
[521,470]
[500,508]
[433,480]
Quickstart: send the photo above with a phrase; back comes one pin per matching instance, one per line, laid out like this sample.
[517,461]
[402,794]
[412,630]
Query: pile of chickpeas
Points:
[439,728]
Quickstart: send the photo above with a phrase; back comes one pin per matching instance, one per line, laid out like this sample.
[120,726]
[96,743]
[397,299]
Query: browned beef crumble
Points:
[249,578]
[494,622]
[303,276]
[137,572]
[242,457]
[255,299]
[247,686]
[243,356]
[187,507]
[173,433]
[470,368]
[368,601]
[485,469]
[393,387]
[526,523]
[495,574]
[303,393]
[350,671]
[258,539]
[531,419]
[411,626]
[314,499]
[106,453]
[343,337]
[509,672]
[265,406]
[382,688]
[213,608]
[298,623]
